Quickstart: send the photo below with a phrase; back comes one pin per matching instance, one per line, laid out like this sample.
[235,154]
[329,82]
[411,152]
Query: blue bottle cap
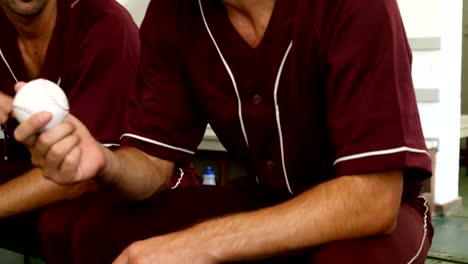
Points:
[208,170]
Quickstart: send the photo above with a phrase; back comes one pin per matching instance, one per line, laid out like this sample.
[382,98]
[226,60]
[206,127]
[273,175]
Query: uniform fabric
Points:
[327,93]
[341,110]
[95,73]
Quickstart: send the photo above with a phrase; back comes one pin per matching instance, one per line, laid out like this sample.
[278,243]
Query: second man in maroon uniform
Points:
[91,49]
[315,95]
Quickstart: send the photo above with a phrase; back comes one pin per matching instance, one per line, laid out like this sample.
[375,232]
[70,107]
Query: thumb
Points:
[19,85]
[122,258]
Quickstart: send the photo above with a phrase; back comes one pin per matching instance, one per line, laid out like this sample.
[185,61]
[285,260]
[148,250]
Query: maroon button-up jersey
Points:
[93,55]
[328,91]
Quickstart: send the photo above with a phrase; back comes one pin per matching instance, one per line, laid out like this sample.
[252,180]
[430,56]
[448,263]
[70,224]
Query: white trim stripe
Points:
[74,3]
[11,71]
[157,143]
[239,102]
[278,121]
[8,66]
[179,180]
[381,152]
[425,232]
[108,145]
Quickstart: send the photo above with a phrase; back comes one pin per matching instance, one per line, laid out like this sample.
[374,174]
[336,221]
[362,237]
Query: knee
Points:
[349,251]
[384,249]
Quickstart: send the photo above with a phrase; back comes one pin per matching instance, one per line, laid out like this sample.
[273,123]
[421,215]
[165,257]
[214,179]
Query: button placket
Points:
[270,165]
[256,99]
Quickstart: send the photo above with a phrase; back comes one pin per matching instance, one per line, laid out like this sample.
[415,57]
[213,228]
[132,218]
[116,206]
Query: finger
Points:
[31,127]
[52,136]
[19,85]
[60,150]
[59,174]
[121,259]
[69,166]
[29,143]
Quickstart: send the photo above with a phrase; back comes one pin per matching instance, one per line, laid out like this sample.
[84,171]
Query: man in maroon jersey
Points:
[315,96]
[89,48]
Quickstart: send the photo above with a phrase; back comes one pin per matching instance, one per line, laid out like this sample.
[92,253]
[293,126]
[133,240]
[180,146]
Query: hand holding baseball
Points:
[60,150]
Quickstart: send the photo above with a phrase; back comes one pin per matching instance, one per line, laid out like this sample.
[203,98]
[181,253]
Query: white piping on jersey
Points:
[13,74]
[5,154]
[228,69]
[425,231]
[381,152]
[74,3]
[3,136]
[8,66]
[157,143]
[179,180]
[231,75]
[278,120]
[108,145]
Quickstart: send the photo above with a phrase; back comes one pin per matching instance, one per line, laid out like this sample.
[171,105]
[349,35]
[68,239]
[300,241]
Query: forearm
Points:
[348,207]
[32,191]
[135,174]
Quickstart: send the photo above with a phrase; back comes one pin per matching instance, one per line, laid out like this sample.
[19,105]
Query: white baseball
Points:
[38,96]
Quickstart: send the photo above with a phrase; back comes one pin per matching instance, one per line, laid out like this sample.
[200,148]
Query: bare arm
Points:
[68,154]
[347,207]
[32,191]
[344,208]
[135,174]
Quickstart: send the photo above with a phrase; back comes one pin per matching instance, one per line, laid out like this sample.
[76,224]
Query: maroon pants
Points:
[24,233]
[57,223]
[103,232]
[18,233]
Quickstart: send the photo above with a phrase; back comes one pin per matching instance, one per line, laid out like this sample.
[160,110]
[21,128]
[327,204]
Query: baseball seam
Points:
[24,109]
[57,104]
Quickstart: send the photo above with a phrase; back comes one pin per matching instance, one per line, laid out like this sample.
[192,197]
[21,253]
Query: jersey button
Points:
[270,165]
[256,99]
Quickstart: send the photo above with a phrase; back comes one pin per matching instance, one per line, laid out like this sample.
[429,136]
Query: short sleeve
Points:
[163,119]
[372,112]
[103,73]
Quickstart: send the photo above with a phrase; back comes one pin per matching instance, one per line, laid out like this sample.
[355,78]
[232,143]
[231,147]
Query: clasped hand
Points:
[66,153]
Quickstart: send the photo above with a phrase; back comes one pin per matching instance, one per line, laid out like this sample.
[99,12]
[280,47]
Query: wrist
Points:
[202,236]
[107,174]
